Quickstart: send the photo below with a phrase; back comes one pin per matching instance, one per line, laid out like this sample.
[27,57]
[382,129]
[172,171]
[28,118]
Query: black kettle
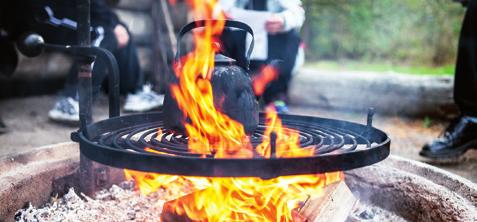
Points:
[231,86]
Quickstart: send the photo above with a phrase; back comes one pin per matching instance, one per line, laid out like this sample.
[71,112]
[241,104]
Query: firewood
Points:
[334,205]
[169,210]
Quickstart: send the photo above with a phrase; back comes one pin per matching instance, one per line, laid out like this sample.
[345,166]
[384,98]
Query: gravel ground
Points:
[30,127]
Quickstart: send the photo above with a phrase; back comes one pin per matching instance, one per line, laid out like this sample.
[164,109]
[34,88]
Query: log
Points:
[419,96]
[334,205]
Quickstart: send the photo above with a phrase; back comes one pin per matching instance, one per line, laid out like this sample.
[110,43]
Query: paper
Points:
[256,20]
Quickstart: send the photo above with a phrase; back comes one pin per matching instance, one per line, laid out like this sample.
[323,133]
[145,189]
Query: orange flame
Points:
[211,132]
[287,141]
[235,199]
[261,80]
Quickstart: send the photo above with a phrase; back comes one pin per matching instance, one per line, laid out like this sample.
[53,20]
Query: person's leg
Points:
[465,88]
[66,108]
[283,47]
[131,75]
[140,96]
[461,135]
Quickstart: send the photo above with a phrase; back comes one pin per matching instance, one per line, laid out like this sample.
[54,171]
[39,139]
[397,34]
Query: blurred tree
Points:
[403,31]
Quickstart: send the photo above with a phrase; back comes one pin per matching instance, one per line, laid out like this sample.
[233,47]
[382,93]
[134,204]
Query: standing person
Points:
[283,41]
[461,134]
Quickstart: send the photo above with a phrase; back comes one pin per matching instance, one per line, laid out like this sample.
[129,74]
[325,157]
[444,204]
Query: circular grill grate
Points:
[339,145]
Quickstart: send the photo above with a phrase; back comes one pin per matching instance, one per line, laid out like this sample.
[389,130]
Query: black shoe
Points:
[3,127]
[460,136]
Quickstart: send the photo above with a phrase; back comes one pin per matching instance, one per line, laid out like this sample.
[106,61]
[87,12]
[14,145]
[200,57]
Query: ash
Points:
[123,203]
[369,213]
[119,203]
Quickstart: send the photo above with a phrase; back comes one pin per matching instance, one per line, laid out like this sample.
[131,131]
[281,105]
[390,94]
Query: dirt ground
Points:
[30,128]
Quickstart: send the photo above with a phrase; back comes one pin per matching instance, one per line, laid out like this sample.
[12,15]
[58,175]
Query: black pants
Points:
[465,88]
[282,46]
[130,75]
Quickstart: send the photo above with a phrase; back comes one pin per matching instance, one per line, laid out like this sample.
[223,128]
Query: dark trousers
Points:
[130,75]
[282,46]
[465,88]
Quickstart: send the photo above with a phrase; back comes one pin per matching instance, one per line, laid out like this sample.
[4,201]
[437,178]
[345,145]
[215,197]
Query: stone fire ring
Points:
[413,190]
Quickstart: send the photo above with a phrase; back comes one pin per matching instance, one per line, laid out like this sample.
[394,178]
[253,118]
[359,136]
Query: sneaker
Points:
[66,109]
[143,100]
[280,106]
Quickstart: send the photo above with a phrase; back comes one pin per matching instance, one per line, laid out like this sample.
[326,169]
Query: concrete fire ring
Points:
[413,190]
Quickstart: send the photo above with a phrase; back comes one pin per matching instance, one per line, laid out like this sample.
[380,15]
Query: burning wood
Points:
[334,205]
[229,199]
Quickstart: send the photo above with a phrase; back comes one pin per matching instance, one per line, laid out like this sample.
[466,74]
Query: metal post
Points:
[273,145]
[369,123]
[93,176]
[85,90]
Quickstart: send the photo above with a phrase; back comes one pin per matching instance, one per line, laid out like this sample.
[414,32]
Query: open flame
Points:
[236,199]
[267,74]
[211,132]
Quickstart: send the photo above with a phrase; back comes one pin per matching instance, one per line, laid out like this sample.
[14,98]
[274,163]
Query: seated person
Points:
[283,41]
[43,17]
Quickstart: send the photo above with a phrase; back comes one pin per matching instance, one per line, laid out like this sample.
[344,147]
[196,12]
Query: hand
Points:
[275,24]
[122,35]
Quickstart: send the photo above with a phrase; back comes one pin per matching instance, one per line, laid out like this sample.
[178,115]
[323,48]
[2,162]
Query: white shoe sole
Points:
[59,116]
[138,107]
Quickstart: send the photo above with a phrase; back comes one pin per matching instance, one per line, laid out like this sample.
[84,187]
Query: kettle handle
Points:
[228,23]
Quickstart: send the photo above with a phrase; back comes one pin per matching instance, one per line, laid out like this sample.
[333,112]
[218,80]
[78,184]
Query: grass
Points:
[447,70]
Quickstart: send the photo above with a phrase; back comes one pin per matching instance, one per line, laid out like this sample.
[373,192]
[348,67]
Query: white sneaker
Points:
[143,100]
[66,109]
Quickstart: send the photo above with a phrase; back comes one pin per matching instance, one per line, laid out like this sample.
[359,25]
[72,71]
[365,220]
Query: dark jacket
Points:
[20,16]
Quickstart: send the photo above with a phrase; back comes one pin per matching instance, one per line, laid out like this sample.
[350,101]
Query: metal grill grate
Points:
[340,145]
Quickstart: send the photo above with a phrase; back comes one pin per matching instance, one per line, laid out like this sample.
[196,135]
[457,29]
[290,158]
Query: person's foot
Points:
[143,100]
[280,106]
[460,136]
[3,127]
[66,109]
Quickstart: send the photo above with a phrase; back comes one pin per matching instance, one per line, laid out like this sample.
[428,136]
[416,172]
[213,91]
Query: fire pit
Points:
[276,173]
[412,190]
[288,169]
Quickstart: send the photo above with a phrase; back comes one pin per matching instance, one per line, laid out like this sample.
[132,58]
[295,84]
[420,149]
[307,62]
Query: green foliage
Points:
[427,123]
[382,67]
[402,32]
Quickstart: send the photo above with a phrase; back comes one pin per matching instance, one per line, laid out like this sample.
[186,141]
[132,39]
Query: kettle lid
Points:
[220,58]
